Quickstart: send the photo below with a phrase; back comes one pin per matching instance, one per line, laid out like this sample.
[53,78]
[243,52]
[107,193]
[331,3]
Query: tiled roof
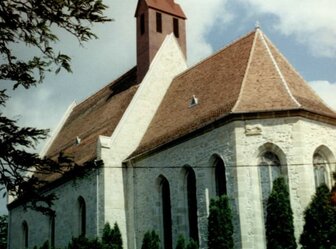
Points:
[167,6]
[248,76]
[97,115]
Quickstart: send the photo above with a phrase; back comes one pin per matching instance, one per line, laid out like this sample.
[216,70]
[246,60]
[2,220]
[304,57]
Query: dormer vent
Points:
[78,140]
[193,101]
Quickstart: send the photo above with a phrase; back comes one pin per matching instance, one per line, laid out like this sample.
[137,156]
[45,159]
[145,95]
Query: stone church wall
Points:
[240,144]
[67,216]
[148,172]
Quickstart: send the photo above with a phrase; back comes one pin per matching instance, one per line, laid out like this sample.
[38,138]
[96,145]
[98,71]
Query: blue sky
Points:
[304,31]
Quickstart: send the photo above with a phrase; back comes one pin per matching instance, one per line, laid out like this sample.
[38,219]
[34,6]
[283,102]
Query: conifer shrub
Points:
[181,243]
[111,238]
[151,241]
[192,244]
[319,231]
[84,243]
[279,219]
[220,228]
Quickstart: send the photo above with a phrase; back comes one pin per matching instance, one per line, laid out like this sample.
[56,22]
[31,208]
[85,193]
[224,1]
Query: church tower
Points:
[155,19]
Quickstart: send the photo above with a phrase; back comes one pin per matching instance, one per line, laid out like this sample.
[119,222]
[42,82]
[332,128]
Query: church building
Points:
[172,138]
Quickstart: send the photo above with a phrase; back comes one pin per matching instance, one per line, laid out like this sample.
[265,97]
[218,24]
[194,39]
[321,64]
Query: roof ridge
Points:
[246,71]
[284,81]
[215,54]
[300,76]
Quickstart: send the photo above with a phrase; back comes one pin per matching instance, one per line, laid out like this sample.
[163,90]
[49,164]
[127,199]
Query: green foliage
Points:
[3,231]
[279,220]
[319,231]
[220,228]
[111,238]
[181,244]
[192,245]
[84,243]
[32,24]
[150,241]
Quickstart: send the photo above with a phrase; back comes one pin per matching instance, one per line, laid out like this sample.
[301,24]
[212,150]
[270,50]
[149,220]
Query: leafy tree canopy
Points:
[33,24]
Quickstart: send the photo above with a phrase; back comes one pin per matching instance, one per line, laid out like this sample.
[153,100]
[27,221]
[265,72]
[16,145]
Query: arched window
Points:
[320,169]
[269,170]
[166,214]
[220,176]
[25,234]
[52,231]
[82,216]
[192,204]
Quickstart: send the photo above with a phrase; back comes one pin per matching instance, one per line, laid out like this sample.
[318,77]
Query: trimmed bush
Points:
[319,231]
[151,241]
[279,219]
[220,228]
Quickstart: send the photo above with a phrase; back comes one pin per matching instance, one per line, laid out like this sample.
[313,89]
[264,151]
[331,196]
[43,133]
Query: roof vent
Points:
[193,101]
[78,140]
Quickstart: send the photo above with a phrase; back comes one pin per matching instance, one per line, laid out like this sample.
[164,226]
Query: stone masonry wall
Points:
[67,216]
[240,144]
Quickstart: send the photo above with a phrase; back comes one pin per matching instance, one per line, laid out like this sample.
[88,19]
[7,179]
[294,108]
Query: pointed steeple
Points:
[155,20]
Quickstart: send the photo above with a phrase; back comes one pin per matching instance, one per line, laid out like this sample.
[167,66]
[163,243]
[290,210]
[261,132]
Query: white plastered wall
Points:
[168,62]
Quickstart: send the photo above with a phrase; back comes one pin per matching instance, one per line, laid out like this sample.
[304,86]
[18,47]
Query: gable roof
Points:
[167,6]
[248,76]
[97,115]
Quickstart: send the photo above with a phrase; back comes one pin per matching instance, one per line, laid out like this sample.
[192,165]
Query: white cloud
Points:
[326,90]
[202,16]
[310,21]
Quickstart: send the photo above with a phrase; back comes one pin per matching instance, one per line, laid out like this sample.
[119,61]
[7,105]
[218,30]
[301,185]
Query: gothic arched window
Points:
[269,170]
[82,216]
[320,170]
[220,177]
[192,204]
[166,214]
[25,234]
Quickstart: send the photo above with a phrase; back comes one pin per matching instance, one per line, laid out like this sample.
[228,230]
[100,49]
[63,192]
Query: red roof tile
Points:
[97,115]
[167,6]
[248,76]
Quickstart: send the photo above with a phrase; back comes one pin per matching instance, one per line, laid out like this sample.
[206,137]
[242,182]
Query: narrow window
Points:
[320,170]
[82,216]
[166,214]
[269,170]
[176,27]
[52,231]
[142,24]
[220,177]
[192,204]
[158,22]
[25,232]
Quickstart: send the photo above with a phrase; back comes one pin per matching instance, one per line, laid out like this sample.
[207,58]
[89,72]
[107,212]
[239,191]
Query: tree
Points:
[151,241]
[181,244]
[33,23]
[84,243]
[220,228]
[111,238]
[279,219]
[3,231]
[319,231]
